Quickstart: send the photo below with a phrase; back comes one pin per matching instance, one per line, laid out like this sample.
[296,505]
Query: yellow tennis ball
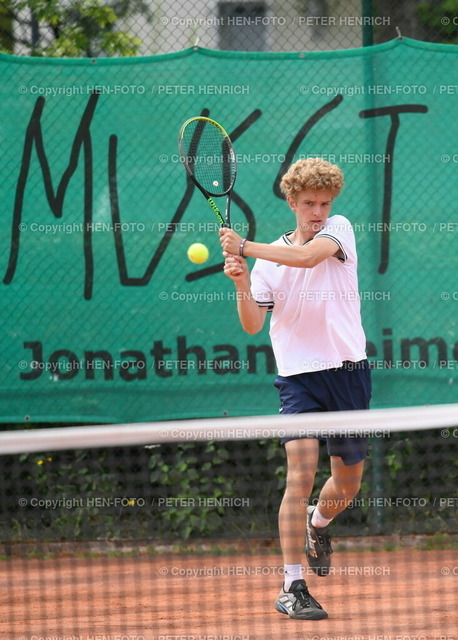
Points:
[198,253]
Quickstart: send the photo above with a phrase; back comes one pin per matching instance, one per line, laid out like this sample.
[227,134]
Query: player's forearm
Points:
[290,256]
[250,314]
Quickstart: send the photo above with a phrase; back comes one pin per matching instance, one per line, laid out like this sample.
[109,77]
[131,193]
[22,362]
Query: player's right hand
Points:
[235,268]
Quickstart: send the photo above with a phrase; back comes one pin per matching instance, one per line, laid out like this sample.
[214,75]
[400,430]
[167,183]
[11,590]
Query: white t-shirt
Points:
[316,319]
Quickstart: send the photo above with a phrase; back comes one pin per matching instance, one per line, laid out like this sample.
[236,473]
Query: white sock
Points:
[318,521]
[292,572]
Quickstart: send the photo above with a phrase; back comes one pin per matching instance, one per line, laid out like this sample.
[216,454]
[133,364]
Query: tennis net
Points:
[170,530]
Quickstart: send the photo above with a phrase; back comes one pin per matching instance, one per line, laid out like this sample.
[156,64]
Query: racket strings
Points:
[209,156]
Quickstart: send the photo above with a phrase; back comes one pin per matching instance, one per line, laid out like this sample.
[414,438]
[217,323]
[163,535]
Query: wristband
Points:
[242,244]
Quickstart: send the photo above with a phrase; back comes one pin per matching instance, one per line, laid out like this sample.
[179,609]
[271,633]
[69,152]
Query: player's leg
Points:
[340,489]
[294,598]
[302,462]
[346,388]
[335,496]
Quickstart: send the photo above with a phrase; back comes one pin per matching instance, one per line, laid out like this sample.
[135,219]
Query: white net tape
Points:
[375,422]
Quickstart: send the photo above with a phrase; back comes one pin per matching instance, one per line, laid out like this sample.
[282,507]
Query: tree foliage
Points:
[70,28]
[442,18]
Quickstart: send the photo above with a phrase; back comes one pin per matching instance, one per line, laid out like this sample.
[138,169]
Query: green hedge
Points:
[216,489]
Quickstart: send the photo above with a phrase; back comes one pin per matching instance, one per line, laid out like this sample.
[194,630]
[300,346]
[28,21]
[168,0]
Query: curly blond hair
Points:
[313,174]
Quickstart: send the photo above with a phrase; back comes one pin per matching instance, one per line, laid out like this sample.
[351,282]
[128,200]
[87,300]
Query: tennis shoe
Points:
[317,546]
[298,604]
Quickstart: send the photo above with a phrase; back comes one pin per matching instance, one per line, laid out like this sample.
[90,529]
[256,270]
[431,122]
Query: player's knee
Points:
[300,479]
[348,489]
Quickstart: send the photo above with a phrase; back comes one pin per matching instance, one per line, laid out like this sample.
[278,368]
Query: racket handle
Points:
[228,212]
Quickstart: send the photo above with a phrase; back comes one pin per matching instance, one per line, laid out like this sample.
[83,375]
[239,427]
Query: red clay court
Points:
[371,595]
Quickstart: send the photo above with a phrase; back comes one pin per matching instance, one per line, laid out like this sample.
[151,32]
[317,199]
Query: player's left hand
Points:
[230,241]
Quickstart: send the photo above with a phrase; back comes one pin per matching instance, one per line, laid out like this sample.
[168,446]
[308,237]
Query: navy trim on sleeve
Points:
[269,304]
[331,237]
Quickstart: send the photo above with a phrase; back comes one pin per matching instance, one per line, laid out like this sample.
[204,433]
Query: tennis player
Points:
[308,280]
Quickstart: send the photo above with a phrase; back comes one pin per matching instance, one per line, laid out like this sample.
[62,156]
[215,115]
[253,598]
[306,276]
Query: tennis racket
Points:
[209,159]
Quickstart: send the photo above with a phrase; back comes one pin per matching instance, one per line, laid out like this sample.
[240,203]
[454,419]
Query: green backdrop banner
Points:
[103,316]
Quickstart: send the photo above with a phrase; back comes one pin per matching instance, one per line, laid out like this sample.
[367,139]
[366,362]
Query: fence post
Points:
[375,512]
[367,29]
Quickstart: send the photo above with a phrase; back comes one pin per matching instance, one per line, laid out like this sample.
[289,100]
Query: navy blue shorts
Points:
[343,389]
